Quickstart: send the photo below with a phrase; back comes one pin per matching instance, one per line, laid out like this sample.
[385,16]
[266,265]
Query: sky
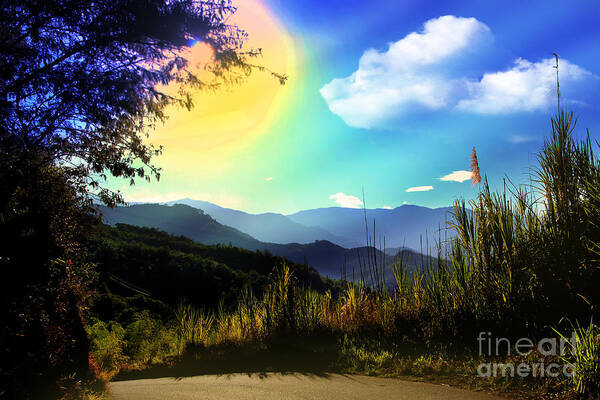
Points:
[383,97]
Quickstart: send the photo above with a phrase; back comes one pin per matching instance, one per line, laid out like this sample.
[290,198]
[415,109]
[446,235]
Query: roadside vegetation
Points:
[83,84]
[523,262]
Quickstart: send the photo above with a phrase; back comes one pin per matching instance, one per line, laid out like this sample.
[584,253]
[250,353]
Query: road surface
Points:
[289,387]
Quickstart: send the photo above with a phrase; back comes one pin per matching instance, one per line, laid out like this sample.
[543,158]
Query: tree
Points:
[81,86]
[80,79]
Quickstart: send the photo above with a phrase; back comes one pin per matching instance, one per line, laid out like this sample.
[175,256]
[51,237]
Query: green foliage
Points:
[107,306]
[148,340]
[172,268]
[47,278]
[143,341]
[107,344]
[584,355]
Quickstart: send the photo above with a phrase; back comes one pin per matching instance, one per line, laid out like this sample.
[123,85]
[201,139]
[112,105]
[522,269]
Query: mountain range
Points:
[330,259]
[266,227]
[407,226]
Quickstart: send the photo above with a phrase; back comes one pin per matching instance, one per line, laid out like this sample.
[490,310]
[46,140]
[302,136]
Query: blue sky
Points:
[415,144]
[393,95]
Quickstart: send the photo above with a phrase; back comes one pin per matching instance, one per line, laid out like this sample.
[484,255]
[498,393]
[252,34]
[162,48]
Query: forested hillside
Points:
[143,268]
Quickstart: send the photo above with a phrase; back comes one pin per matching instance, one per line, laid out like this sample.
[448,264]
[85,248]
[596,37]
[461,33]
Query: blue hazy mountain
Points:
[179,220]
[267,227]
[405,226]
[327,258]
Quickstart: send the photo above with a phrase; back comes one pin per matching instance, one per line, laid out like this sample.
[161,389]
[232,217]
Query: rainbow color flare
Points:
[342,122]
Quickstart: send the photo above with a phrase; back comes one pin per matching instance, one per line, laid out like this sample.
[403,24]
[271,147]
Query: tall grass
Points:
[521,260]
[193,325]
[584,355]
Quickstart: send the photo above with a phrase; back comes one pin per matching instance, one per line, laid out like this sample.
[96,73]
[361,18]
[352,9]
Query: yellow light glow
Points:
[224,123]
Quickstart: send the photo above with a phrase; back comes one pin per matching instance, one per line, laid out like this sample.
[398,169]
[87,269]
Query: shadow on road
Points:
[285,355]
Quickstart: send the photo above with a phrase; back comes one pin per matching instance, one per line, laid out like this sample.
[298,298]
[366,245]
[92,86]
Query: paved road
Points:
[289,387]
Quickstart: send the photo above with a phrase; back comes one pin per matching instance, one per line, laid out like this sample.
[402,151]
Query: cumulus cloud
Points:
[387,207]
[457,176]
[526,86]
[391,82]
[419,189]
[415,73]
[346,200]
[269,179]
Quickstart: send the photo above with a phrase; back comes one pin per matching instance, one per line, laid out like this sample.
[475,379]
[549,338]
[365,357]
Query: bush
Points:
[107,344]
[148,340]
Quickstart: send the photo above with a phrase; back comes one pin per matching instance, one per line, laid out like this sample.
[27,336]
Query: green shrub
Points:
[107,341]
[148,340]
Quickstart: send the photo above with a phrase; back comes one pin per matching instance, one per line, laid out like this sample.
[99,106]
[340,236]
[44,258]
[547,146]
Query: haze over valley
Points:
[332,240]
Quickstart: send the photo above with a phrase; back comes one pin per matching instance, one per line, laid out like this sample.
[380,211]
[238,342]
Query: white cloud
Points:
[387,207]
[390,83]
[418,73]
[526,86]
[457,176]
[346,200]
[269,179]
[518,139]
[419,189]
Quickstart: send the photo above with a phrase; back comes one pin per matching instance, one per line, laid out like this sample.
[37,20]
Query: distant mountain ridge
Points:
[266,227]
[415,227]
[409,226]
[326,257]
[180,220]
